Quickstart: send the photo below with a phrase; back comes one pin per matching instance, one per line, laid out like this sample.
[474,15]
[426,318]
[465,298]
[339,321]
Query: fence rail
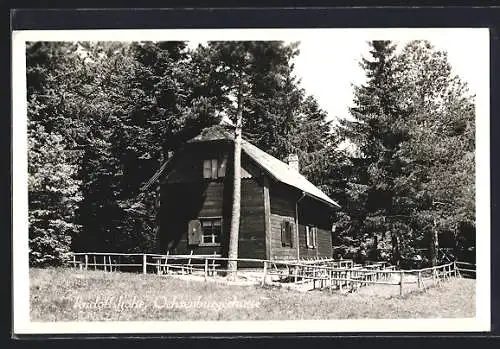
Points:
[466,268]
[323,273]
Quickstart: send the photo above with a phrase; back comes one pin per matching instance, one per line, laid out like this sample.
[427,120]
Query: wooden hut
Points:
[283,215]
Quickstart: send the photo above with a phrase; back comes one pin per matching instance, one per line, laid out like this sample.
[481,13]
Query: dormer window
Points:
[214,168]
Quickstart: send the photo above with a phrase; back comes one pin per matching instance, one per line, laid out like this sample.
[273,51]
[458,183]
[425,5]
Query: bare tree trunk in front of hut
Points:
[235,213]
[157,205]
[434,245]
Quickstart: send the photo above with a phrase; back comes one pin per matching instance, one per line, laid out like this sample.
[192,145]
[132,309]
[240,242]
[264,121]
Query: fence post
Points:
[144,265]
[86,262]
[74,261]
[419,279]
[104,258]
[401,274]
[206,269]
[455,268]
[314,278]
[166,262]
[436,272]
[265,274]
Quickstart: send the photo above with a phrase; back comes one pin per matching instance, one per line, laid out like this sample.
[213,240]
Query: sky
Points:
[328,63]
[329,71]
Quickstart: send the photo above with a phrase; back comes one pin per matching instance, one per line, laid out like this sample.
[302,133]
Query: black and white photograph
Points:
[317,180]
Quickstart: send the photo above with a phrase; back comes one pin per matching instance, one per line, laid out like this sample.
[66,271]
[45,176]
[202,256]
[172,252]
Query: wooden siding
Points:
[282,207]
[252,238]
[283,199]
[323,242]
[187,166]
[277,251]
[310,212]
[186,195]
[182,202]
[192,197]
[313,213]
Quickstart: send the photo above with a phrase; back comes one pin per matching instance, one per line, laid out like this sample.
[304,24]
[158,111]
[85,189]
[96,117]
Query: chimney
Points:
[293,162]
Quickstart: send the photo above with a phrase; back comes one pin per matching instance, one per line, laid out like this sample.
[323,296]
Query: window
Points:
[311,236]
[214,168]
[211,231]
[286,233]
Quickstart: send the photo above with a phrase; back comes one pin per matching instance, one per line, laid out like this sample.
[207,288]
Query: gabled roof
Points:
[281,172]
[275,168]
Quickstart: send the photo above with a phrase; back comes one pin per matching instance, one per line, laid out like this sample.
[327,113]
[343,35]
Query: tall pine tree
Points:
[374,132]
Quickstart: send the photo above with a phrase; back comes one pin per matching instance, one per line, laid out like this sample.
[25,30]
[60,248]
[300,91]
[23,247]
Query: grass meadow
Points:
[59,294]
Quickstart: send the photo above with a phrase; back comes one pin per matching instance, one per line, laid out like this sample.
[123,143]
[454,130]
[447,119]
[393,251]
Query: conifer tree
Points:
[375,134]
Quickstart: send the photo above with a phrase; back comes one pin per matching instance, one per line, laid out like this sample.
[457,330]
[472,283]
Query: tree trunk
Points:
[374,255]
[157,206]
[455,243]
[235,213]
[395,248]
[434,245]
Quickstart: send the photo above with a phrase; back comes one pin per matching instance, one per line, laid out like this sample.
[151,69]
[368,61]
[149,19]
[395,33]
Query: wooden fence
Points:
[466,269]
[321,273]
[139,262]
[351,279]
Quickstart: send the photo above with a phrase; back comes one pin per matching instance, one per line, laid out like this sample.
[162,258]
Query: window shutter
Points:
[308,238]
[314,232]
[194,232]
[207,168]
[283,233]
[214,168]
[222,167]
[286,233]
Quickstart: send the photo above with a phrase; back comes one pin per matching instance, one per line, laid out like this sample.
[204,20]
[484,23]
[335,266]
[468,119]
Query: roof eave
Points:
[330,204]
[333,205]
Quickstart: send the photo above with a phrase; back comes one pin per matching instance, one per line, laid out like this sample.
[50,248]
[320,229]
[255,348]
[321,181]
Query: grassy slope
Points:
[54,294]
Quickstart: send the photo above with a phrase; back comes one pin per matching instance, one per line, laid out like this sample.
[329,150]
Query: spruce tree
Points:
[374,132]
